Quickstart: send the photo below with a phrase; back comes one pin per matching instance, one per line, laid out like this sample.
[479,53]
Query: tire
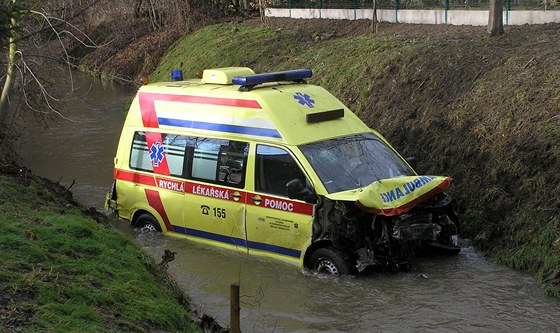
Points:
[147,223]
[327,260]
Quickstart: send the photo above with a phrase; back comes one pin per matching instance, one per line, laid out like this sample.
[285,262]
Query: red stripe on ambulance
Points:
[180,186]
[220,101]
[148,110]
[217,192]
[281,204]
[155,202]
[155,141]
[150,120]
[134,177]
[172,185]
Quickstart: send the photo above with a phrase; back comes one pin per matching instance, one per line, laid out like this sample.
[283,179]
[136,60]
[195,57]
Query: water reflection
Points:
[80,150]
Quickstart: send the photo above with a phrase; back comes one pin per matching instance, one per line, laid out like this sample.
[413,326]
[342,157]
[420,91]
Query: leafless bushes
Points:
[184,15]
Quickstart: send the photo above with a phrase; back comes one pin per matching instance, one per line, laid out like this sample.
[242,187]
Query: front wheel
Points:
[330,261]
[147,223]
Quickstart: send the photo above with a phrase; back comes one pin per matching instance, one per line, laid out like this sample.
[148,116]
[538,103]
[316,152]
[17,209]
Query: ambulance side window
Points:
[274,168]
[205,159]
[233,157]
[139,157]
[218,161]
[173,146]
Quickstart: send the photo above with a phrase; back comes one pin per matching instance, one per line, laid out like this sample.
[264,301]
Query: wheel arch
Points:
[139,212]
[312,248]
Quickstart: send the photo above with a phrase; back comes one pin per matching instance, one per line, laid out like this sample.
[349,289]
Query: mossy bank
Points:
[483,110]
[63,269]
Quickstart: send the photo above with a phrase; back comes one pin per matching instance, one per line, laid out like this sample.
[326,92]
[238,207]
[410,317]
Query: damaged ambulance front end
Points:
[377,211]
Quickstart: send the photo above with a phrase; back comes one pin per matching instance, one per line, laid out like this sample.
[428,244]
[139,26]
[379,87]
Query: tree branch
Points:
[31,34]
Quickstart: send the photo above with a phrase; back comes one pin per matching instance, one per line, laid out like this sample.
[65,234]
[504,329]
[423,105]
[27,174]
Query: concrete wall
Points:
[433,16]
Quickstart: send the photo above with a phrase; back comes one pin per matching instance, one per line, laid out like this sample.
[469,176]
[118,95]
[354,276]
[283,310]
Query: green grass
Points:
[61,271]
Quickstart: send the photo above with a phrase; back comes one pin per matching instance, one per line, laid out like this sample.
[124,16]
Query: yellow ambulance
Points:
[268,164]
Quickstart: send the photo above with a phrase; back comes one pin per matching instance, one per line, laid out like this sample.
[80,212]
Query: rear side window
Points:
[139,157]
[173,146]
[211,160]
[218,161]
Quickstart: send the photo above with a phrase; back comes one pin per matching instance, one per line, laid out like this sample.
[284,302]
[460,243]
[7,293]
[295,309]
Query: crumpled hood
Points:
[396,196]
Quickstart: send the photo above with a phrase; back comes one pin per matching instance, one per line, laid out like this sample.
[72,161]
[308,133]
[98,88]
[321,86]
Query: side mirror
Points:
[295,187]
[296,190]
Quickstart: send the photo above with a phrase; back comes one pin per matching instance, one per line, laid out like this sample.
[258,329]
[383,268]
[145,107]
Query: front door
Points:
[276,225]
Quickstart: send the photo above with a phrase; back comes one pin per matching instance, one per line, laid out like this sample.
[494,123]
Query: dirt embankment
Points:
[129,48]
[484,110]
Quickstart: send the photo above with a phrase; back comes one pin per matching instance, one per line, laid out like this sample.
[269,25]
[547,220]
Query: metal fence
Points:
[414,4]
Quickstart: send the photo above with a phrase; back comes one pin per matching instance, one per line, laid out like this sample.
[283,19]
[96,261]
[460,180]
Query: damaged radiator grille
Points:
[417,227]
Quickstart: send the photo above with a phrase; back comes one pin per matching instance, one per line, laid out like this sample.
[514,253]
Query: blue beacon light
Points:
[177,75]
[292,75]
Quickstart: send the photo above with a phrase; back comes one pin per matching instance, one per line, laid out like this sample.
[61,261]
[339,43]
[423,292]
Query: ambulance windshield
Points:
[352,162]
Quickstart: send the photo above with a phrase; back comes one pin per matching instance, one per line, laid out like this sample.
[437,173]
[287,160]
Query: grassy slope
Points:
[482,110]
[61,271]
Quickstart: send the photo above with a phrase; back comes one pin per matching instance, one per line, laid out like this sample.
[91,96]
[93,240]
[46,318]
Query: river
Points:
[463,293]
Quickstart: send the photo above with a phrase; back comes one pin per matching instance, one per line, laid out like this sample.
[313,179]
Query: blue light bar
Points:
[253,80]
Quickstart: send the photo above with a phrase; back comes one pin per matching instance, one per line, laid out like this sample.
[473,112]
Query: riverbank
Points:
[62,268]
[482,110]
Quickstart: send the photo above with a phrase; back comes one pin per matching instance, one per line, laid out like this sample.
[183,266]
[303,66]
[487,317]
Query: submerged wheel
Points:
[330,261]
[147,223]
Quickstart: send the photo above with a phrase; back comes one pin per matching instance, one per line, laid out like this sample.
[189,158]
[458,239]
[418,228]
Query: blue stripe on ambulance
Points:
[274,249]
[237,241]
[211,236]
[266,132]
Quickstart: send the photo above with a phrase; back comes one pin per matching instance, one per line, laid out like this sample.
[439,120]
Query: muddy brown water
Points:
[464,293]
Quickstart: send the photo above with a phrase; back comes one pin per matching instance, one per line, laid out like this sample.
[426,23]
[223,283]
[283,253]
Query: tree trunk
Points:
[9,83]
[374,22]
[495,18]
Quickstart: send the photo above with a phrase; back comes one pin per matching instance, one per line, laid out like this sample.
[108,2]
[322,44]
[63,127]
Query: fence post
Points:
[507,12]
[355,9]
[396,11]
[321,9]
[234,322]
[446,9]
[290,7]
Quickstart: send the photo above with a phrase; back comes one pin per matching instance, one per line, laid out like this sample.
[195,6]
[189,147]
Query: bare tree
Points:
[35,28]
[495,18]
[262,10]
[9,76]
[65,22]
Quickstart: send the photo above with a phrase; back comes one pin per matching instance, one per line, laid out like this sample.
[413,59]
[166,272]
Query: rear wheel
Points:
[147,223]
[330,261]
